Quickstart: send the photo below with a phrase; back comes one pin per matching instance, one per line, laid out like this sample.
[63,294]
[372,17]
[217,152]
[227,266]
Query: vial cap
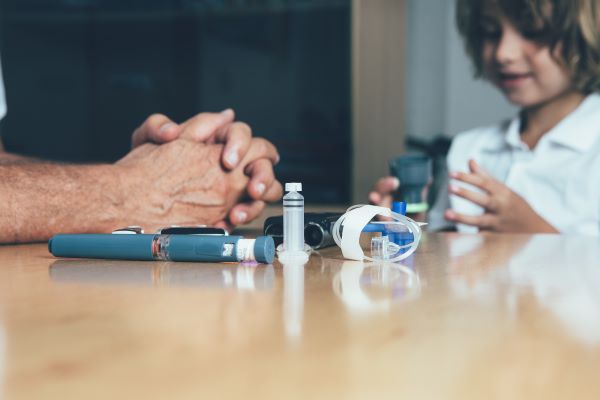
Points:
[293,187]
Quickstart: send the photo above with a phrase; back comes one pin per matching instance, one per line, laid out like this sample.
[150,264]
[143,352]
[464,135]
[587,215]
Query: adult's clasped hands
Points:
[206,170]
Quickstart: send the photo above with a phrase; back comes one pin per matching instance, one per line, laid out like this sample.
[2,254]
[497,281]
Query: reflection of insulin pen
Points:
[164,247]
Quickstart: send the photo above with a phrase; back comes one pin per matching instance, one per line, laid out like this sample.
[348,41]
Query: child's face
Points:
[523,69]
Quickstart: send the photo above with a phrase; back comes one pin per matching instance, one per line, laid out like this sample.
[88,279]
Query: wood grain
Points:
[468,317]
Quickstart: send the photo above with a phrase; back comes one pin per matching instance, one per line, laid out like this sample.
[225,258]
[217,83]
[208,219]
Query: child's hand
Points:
[504,210]
[381,195]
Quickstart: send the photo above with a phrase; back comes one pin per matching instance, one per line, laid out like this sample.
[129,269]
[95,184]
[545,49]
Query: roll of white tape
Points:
[348,228]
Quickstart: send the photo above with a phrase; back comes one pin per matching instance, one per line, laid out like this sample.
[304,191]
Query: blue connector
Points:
[400,238]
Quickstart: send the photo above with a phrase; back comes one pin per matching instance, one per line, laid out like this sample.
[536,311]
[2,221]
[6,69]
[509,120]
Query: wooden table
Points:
[468,317]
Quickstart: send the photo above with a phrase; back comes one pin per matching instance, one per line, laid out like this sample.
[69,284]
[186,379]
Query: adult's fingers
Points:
[262,180]
[261,148]
[237,137]
[225,225]
[205,127]
[243,213]
[274,192]
[157,128]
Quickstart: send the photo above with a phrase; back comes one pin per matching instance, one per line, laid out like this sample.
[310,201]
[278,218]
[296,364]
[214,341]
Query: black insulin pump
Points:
[317,229]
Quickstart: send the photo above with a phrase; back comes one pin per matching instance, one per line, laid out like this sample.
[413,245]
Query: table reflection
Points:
[2,359]
[375,286]
[293,300]
[222,276]
[293,295]
[543,266]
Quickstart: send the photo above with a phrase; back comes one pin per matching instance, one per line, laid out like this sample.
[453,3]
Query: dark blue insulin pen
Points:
[164,247]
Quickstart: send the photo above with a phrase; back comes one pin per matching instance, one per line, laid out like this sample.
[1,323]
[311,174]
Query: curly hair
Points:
[570,26]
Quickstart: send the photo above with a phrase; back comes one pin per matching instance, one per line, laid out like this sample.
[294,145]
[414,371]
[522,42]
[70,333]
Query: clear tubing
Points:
[293,219]
[411,226]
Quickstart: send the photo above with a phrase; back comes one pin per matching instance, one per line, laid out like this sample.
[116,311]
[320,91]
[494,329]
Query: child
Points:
[539,172]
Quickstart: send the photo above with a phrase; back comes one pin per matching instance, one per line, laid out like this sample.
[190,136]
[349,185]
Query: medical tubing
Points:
[412,226]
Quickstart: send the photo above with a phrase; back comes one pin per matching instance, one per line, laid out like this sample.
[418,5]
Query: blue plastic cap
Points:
[399,207]
[264,249]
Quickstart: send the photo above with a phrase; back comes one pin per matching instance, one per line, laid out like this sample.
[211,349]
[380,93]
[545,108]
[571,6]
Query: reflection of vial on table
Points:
[293,218]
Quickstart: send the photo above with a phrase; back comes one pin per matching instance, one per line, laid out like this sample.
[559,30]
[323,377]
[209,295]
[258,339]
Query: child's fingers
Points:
[477,169]
[481,199]
[387,185]
[473,179]
[485,221]
[380,200]
[374,198]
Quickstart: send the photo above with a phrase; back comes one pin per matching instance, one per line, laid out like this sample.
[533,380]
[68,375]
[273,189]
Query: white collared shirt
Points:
[559,178]
[2,99]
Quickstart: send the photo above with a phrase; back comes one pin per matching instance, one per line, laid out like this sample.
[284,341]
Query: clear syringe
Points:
[293,218]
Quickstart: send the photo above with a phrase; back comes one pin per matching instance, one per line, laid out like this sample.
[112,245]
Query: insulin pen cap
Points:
[264,249]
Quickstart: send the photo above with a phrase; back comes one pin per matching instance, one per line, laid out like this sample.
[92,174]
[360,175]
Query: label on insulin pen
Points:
[245,250]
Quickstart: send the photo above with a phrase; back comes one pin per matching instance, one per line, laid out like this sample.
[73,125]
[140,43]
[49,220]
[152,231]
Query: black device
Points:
[317,229]
[414,171]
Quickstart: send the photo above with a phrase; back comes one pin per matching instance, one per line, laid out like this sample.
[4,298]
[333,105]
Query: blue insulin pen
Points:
[164,247]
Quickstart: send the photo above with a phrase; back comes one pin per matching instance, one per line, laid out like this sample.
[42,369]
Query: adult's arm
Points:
[38,200]
[204,128]
[181,182]
[8,158]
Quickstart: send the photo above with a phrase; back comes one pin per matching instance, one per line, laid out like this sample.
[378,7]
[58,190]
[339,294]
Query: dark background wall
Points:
[80,75]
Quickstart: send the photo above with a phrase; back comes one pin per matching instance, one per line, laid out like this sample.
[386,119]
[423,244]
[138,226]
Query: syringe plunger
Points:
[293,218]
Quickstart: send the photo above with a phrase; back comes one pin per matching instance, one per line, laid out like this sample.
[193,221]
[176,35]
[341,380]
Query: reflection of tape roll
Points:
[375,287]
[356,219]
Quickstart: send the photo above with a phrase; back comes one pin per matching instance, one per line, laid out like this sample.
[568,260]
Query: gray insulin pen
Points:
[161,247]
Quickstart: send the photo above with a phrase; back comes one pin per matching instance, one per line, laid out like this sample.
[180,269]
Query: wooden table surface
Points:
[467,317]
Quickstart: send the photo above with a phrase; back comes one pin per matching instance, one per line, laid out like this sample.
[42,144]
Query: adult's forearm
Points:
[11,158]
[39,200]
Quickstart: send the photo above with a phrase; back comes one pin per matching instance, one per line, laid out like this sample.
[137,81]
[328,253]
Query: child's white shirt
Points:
[559,178]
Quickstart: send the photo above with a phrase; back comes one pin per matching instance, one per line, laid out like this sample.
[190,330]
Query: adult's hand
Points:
[182,182]
[237,139]
[204,128]
[262,185]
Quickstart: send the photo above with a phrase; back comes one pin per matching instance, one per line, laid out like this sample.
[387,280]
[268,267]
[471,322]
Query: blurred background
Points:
[339,86]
